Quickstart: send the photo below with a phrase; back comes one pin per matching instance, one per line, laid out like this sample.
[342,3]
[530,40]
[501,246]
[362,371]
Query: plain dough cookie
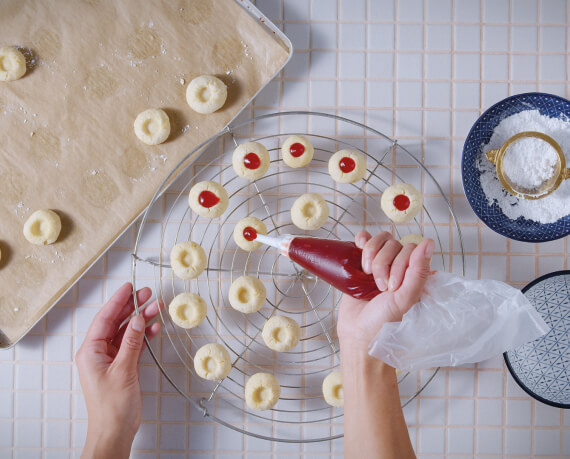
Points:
[212,361]
[206,94]
[246,231]
[347,166]
[208,199]
[12,64]
[401,202]
[250,160]
[187,310]
[152,126]
[188,260]
[332,389]
[309,211]
[247,294]
[262,391]
[297,151]
[413,238]
[281,333]
[42,227]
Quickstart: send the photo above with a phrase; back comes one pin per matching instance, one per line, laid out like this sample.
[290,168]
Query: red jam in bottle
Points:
[297,149]
[338,263]
[401,202]
[347,164]
[249,233]
[251,161]
[208,199]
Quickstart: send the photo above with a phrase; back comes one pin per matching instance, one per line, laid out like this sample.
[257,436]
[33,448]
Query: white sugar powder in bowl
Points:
[548,209]
[529,162]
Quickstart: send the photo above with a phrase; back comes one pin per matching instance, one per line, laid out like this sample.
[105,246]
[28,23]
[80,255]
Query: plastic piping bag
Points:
[458,321]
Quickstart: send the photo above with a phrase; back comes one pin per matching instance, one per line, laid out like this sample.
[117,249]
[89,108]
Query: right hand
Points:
[400,273]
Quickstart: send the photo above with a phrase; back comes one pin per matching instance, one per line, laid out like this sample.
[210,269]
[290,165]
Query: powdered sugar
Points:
[548,209]
[529,162]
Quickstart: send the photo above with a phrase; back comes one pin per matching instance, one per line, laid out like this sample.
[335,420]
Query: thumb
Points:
[131,345]
[416,275]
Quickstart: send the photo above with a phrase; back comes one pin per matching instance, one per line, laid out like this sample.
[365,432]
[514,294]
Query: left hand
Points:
[108,370]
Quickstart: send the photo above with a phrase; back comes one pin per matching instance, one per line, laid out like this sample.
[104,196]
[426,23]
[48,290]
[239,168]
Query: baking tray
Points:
[68,142]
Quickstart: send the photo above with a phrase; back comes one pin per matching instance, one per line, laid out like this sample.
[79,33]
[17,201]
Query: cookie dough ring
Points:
[208,199]
[281,333]
[347,166]
[12,64]
[245,237]
[188,260]
[262,391]
[297,151]
[401,202]
[212,362]
[309,211]
[412,238]
[247,294]
[187,310]
[250,160]
[206,94]
[332,389]
[42,227]
[152,126]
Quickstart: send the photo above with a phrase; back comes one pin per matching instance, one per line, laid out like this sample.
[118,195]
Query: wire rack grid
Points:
[290,291]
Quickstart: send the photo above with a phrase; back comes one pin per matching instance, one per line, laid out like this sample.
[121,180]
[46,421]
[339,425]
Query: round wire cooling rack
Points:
[301,415]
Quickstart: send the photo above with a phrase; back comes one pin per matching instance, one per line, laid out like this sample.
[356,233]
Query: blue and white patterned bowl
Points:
[520,229]
[542,367]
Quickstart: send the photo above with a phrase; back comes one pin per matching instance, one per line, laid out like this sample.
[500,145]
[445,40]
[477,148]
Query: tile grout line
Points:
[536,267]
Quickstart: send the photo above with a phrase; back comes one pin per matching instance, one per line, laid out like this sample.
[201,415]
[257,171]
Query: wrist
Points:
[107,442]
[356,361]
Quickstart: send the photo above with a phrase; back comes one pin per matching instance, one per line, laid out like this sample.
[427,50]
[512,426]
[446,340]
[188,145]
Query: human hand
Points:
[374,424]
[108,371]
[400,273]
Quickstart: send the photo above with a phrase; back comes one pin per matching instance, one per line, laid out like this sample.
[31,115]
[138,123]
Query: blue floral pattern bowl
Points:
[520,229]
[542,367]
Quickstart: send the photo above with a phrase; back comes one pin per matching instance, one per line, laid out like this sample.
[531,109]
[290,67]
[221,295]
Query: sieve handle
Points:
[492,156]
[566,174]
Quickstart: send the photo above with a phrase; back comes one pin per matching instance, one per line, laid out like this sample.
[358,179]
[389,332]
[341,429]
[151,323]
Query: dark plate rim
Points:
[468,196]
[506,357]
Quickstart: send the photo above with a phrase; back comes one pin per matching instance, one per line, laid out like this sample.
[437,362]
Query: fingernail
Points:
[381,285]
[137,323]
[366,266]
[429,249]
[391,284]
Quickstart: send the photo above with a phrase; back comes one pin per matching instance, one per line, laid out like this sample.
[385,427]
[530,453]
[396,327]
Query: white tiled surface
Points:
[421,71]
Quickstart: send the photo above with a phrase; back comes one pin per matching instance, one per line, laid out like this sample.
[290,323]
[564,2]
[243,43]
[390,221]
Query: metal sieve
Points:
[560,173]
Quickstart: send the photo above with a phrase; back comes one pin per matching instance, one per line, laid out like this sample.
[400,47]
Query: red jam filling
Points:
[249,233]
[251,161]
[297,149]
[337,262]
[208,199]
[401,202]
[347,165]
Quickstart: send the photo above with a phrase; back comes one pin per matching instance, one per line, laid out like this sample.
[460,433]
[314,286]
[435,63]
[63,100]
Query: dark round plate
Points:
[542,367]
[520,229]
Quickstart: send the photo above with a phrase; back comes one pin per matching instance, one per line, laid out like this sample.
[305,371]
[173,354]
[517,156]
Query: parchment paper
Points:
[66,128]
